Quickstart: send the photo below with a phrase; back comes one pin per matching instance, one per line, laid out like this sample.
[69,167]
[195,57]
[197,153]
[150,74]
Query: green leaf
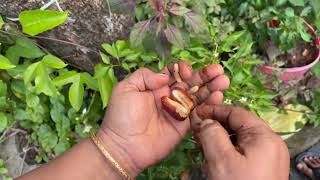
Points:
[3,121]
[30,72]
[105,83]
[5,63]
[65,78]
[89,81]
[53,62]
[230,40]
[24,47]
[1,22]
[3,170]
[105,58]
[297,2]
[316,69]
[47,137]
[120,45]
[315,4]
[61,147]
[37,21]
[43,83]
[289,12]
[111,50]
[3,89]
[174,36]
[76,92]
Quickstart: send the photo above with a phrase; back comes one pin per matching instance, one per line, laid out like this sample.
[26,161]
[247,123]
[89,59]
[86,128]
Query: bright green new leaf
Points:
[1,22]
[65,78]
[37,21]
[111,50]
[30,72]
[3,121]
[297,2]
[5,63]
[105,78]
[89,81]
[76,92]
[230,40]
[105,58]
[43,83]
[53,62]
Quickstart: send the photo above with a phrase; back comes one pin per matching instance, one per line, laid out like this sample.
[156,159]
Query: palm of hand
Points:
[140,120]
[136,121]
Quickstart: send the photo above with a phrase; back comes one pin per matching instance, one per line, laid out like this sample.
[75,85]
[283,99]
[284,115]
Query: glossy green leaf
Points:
[3,89]
[76,92]
[37,21]
[111,50]
[53,62]
[105,58]
[105,83]
[5,63]
[30,72]
[89,81]
[65,78]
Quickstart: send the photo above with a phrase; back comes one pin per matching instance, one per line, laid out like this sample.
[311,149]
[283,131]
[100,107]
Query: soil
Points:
[303,54]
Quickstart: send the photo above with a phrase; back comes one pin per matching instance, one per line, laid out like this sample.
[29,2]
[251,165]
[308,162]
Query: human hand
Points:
[257,153]
[136,129]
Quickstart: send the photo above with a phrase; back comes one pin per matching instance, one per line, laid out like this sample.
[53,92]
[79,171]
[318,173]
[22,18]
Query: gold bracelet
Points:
[109,157]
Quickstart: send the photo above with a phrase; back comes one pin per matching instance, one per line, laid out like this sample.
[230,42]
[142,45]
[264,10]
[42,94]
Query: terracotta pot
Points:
[295,73]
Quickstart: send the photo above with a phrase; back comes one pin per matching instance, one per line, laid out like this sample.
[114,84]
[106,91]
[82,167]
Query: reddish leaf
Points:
[156,5]
[138,32]
[174,36]
[195,23]
[179,10]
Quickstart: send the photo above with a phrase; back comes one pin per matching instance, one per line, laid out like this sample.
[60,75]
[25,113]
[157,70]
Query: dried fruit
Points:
[180,105]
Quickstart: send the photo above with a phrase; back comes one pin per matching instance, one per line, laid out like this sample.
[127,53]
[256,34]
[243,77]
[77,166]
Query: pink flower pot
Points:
[296,73]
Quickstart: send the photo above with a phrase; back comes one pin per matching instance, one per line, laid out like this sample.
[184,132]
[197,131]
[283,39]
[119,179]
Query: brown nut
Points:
[181,104]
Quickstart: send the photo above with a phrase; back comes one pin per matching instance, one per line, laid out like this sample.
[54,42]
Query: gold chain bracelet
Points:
[109,157]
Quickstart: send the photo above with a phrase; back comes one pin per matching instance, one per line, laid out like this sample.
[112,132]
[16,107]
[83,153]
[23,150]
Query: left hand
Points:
[136,130]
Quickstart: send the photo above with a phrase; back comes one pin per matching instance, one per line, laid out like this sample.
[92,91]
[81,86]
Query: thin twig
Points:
[110,13]
[22,163]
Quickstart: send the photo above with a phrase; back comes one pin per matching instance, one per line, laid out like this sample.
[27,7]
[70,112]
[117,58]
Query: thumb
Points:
[143,79]
[216,143]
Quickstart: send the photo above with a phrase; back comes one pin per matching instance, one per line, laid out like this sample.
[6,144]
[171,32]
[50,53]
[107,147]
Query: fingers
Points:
[219,83]
[216,143]
[237,118]
[205,75]
[185,71]
[143,79]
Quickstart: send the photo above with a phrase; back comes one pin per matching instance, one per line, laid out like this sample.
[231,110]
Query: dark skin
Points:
[136,130]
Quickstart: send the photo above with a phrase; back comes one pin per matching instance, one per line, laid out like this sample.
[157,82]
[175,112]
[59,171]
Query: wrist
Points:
[119,152]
